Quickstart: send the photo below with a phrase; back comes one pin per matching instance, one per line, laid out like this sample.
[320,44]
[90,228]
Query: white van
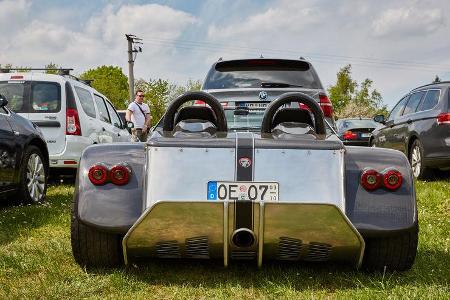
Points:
[71,114]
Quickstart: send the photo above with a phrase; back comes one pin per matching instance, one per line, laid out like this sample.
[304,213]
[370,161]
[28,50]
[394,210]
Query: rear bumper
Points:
[69,158]
[281,230]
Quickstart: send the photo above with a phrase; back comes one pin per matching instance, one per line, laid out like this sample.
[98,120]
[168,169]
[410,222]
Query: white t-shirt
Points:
[137,117]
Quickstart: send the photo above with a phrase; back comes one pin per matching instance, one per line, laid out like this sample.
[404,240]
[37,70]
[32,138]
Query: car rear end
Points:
[437,138]
[253,83]
[355,132]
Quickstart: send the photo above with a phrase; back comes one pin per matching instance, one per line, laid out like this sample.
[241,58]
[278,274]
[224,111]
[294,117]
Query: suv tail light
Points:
[392,179]
[98,174]
[443,118]
[326,106]
[72,122]
[120,174]
[199,102]
[349,135]
[371,179]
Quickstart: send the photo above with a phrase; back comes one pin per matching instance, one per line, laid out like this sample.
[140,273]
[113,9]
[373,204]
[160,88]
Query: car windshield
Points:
[262,73]
[250,120]
[345,124]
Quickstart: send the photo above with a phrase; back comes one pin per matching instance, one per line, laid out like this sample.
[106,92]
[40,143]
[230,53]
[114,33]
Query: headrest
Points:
[297,115]
[197,113]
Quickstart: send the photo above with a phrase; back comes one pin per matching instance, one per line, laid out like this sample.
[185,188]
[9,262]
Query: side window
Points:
[431,99]
[102,110]
[115,119]
[398,109]
[413,102]
[86,101]
[45,96]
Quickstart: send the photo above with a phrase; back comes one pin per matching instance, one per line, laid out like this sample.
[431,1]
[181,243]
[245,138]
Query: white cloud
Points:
[408,21]
[101,41]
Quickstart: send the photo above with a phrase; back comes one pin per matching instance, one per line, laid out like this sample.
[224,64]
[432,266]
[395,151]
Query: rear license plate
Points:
[242,190]
[253,105]
[365,135]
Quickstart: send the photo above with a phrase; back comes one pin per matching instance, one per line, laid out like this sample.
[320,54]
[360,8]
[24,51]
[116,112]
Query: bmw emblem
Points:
[263,95]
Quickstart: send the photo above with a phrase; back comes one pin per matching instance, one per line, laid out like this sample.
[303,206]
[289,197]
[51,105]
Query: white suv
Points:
[71,114]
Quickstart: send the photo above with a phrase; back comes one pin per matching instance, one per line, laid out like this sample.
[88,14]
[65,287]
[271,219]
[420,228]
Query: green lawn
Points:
[36,262]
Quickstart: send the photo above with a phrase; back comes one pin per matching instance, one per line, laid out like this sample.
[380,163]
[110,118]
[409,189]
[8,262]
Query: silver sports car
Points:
[281,188]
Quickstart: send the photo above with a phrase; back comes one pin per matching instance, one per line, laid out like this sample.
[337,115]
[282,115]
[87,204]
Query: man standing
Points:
[139,113]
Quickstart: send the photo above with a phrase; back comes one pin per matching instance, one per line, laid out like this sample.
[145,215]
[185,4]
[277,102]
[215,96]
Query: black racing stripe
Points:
[244,208]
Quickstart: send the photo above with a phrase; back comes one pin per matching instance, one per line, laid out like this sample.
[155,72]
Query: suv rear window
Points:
[14,93]
[45,96]
[431,99]
[261,72]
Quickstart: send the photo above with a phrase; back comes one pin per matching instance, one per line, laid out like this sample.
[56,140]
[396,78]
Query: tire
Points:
[395,253]
[418,167]
[94,248]
[32,178]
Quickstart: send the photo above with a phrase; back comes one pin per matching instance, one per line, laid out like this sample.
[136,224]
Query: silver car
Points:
[285,190]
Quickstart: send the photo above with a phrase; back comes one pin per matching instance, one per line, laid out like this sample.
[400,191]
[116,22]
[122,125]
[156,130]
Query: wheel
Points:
[33,177]
[416,160]
[396,253]
[94,248]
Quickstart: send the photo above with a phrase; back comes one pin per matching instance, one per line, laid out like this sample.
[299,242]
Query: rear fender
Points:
[110,207]
[380,212]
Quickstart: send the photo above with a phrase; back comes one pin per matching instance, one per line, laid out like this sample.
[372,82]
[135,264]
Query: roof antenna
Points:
[261,56]
[220,59]
[301,57]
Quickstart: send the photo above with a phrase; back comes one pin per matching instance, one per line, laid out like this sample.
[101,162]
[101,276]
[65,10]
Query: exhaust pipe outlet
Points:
[243,238]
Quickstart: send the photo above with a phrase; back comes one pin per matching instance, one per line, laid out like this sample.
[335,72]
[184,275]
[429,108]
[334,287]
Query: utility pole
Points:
[132,53]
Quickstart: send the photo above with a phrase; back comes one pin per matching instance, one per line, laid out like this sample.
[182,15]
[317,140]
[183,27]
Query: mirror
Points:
[379,119]
[3,101]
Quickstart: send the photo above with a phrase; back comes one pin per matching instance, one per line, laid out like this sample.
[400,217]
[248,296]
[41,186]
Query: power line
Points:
[210,47]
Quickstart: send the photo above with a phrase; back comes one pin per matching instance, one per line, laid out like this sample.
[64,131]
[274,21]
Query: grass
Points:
[36,262]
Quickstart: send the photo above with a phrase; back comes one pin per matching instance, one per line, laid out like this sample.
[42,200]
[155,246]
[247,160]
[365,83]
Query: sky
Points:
[398,44]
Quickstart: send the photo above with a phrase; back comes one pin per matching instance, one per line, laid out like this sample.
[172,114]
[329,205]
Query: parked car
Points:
[71,114]
[24,162]
[254,83]
[419,126]
[204,187]
[355,131]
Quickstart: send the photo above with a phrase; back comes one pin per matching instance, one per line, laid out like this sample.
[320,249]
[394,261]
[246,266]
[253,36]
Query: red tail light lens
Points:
[98,174]
[443,118]
[371,179]
[349,135]
[199,102]
[326,106]
[72,122]
[392,179]
[304,106]
[120,174]
[16,77]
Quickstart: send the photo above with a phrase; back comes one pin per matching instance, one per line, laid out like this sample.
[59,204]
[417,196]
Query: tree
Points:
[52,66]
[110,81]
[351,99]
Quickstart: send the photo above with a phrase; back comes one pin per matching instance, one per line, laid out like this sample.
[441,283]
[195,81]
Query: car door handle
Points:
[103,129]
[118,134]
[409,121]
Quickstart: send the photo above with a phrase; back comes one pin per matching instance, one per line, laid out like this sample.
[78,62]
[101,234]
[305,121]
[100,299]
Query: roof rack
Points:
[433,83]
[60,71]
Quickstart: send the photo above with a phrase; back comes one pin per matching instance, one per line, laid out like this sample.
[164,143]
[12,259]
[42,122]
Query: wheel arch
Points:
[42,146]
[414,136]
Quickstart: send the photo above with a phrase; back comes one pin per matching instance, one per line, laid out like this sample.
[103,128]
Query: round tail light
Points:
[98,174]
[371,179]
[392,179]
[120,174]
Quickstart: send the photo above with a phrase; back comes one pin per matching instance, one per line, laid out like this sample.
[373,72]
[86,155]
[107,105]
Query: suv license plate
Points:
[365,135]
[242,190]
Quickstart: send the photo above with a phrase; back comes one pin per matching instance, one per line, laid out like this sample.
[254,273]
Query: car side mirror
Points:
[379,119]
[3,101]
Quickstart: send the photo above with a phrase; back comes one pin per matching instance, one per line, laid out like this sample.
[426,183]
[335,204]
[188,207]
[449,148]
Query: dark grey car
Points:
[253,83]
[419,126]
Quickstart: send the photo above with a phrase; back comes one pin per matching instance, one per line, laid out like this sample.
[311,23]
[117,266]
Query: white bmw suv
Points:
[71,114]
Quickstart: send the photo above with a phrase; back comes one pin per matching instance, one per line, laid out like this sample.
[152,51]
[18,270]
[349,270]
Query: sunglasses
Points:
[141,96]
